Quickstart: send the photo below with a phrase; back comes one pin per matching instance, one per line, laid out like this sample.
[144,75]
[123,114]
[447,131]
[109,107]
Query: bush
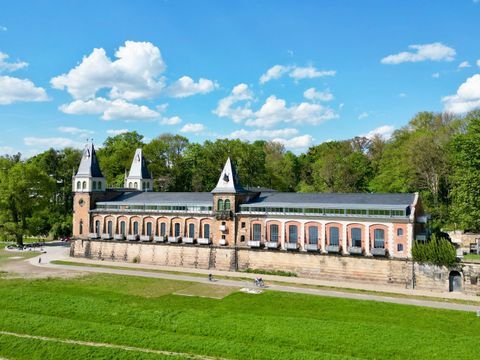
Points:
[436,251]
[270,272]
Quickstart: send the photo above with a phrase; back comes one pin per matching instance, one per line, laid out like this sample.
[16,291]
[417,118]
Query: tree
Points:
[436,251]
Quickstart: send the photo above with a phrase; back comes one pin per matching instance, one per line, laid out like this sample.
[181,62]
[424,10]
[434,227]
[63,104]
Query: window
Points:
[379,238]
[110,228]
[94,185]
[84,185]
[80,230]
[122,228]
[206,231]
[99,185]
[242,238]
[356,237]
[149,229]
[148,185]
[176,229]
[97,227]
[243,225]
[227,204]
[313,235]
[191,230]
[274,232]
[130,185]
[334,235]
[143,185]
[220,205]
[399,232]
[163,229]
[257,232]
[79,185]
[292,233]
[135,228]
[400,247]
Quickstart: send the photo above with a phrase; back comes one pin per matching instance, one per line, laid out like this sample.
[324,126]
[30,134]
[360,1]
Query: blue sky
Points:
[297,72]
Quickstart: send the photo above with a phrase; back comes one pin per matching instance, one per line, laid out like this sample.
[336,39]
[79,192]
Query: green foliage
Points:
[270,272]
[436,251]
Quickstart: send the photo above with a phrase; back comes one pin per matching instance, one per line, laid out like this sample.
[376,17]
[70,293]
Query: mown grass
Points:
[142,312]
[8,255]
[472,257]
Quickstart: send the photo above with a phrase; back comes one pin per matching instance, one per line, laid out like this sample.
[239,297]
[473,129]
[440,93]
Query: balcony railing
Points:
[355,250]
[188,240]
[291,246]
[174,239]
[254,243]
[132,237]
[378,251]
[204,241]
[223,214]
[160,238]
[107,237]
[272,244]
[146,238]
[332,248]
[311,247]
[93,236]
[119,237]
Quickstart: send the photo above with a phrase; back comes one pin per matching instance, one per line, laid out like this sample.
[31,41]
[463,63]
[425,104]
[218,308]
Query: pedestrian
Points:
[39,260]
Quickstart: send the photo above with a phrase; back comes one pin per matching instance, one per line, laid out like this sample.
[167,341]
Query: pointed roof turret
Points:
[139,170]
[228,181]
[89,164]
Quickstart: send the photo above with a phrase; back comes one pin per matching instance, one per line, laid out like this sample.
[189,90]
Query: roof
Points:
[228,182]
[156,198]
[139,170]
[354,200]
[89,163]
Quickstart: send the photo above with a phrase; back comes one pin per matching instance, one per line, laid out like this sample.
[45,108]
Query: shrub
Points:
[270,272]
[136,259]
[436,251]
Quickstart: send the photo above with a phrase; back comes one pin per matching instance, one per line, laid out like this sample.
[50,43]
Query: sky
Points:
[297,72]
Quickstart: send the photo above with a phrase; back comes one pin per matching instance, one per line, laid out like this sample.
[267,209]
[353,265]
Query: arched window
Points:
[274,232]
[257,232]
[80,228]
[176,229]
[122,228]
[144,185]
[220,205]
[206,231]
[110,228]
[79,185]
[313,235]
[135,228]
[191,230]
[84,185]
[99,185]
[130,185]
[292,233]
[379,238]
[226,205]
[356,237]
[97,227]
[399,232]
[149,229]
[334,235]
[163,229]
[94,185]
[148,185]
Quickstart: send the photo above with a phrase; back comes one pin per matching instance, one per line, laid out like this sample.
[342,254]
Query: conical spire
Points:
[89,164]
[228,181]
[139,170]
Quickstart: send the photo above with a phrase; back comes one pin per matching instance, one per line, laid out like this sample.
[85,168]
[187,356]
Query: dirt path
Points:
[111,346]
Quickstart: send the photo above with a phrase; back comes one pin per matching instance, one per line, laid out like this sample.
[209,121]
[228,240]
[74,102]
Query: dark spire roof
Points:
[139,170]
[228,181]
[89,163]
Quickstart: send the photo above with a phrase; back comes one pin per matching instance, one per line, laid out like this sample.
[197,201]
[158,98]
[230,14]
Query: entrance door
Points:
[455,281]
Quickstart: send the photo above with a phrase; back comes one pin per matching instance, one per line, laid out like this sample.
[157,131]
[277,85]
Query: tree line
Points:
[435,154]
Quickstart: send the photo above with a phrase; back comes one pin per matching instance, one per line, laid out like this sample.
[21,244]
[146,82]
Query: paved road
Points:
[56,252]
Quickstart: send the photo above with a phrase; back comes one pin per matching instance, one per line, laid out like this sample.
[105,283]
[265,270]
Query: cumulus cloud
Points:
[75,131]
[10,66]
[295,72]
[13,89]
[478,62]
[225,108]
[193,128]
[186,86]
[363,115]
[263,134]
[426,52]
[313,94]
[174,120]
[464,64]
[115,132]
[55,142]
[298,142]
[467,97]
[384,131]
[109,109]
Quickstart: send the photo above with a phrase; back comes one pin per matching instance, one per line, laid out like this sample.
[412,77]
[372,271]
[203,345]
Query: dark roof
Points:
[162,198]
[89,164]
[355,200]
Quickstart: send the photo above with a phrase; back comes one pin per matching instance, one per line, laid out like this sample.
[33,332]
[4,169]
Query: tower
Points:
[89,185]
[139,177]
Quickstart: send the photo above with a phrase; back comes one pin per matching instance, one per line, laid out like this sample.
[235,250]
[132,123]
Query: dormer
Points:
[139,177]
[89,177]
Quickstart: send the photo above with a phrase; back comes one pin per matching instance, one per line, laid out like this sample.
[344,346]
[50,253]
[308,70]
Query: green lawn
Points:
[144,313]
[472,257]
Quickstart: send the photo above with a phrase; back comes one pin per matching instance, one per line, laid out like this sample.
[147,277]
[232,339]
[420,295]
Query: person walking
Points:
[39,260]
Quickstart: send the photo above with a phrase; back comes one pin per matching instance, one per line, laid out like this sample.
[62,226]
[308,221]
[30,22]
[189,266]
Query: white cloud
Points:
[402,95]
[3,28]
[55,142]
[15,90]
[313,94]
[6,150]
[363,115]
[185,86]
[436,75]
[240,92]
[263,134]
[384,131]
[75,131]
[115,132]
[467,97]
[298,142]
[10,66]
[295,72]
[193,128]
[433,52]
[478,62]
[464,64]
[109,110]
[174,120]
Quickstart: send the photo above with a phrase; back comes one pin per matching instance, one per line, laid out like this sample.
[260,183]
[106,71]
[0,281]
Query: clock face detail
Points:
[81,202]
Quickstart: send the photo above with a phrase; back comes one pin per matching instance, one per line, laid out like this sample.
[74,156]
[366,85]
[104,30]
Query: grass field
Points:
[145,313]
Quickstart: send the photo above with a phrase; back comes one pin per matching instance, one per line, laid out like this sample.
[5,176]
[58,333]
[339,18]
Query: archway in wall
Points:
[454,281]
